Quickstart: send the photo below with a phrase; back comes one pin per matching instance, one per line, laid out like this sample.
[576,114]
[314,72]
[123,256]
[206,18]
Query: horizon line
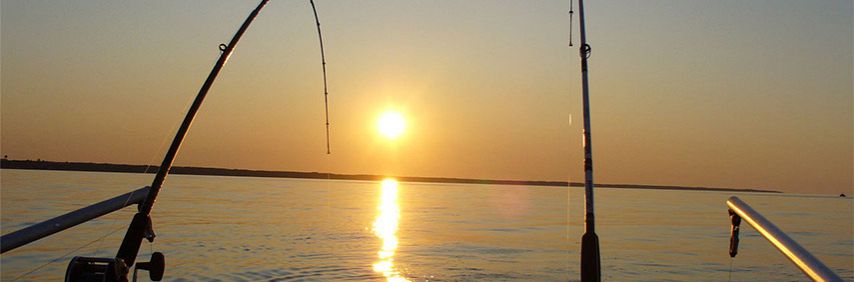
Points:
[40,164]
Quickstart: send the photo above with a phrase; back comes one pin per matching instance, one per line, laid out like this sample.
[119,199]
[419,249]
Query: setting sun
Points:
[391,124]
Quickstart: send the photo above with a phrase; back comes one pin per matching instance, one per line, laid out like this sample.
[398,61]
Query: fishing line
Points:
[323,61]
[114,221]
[572,85]
[165,137]
[730,268]
[148,165]
[68,253]
[127,200]
[568,195]
[99,239]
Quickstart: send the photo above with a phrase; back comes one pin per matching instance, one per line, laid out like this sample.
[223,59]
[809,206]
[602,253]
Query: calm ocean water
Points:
[215,228]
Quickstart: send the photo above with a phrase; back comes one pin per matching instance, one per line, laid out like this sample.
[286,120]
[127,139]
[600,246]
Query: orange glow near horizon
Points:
[425,90]
[385,227]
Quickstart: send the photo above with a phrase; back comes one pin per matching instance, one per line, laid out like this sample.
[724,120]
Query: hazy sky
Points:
[705,93]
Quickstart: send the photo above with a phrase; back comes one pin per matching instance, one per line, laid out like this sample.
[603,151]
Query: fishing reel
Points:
[117,269]
[112,269]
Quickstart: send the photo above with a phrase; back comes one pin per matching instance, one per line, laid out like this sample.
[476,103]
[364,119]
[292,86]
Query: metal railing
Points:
[809,264]
[48,227]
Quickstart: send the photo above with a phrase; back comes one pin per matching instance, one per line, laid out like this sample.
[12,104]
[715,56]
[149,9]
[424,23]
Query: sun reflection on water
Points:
[385,227]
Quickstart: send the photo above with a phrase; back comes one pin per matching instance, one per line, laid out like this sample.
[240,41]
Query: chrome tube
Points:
[803,259]
[48,227]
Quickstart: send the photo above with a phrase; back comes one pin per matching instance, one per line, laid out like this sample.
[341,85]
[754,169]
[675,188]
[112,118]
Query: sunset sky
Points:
[745,94]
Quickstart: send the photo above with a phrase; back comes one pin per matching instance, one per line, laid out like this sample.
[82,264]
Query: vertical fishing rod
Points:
[140,226]
[323,60]
[590,268]
[571,12]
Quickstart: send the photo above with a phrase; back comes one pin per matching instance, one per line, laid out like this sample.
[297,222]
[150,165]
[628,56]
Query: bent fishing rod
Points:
[116,269]
[140,226]
[323,62]
[590,267]
[83,269]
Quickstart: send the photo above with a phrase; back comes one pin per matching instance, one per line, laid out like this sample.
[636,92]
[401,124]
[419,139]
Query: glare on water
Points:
[385,227]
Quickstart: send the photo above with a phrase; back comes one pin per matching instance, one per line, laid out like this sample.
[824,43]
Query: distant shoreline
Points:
[105,167]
